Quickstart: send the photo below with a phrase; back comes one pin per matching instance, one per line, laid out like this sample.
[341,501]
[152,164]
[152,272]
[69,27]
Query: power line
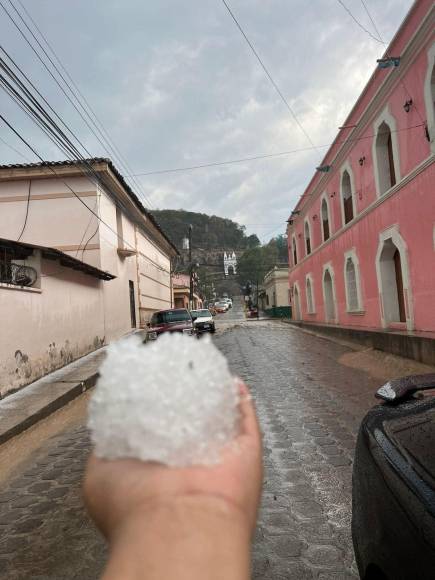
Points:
[97,123]
[359,23]
[52,75]
[402,82]
[269,155]
[15,150]
[269,76]
[27,212]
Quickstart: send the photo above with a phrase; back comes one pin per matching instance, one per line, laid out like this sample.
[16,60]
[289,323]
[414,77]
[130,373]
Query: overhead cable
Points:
[269,76]
[269,155]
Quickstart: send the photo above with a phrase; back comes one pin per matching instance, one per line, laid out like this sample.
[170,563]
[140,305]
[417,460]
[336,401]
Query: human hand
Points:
[118,490]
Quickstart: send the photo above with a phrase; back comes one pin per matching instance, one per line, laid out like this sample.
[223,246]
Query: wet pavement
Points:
[309,406]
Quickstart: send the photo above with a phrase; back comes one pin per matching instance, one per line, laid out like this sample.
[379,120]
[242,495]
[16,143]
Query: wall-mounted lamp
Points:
[332,194]
[391,61]
[290,222]
[324,168]
[426,132]
[362,160]
[314,217]
[360,195]
[299,235]
[407,106]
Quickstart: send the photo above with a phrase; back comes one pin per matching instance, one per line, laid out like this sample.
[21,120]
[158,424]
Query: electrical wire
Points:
[15,150]
[402,82]
[269,76]
[268,155]
[359,23]
[109,139]
[27,212]
[49,71]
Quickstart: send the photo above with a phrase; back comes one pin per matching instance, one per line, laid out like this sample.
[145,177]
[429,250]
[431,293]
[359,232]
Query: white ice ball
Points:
[173,401]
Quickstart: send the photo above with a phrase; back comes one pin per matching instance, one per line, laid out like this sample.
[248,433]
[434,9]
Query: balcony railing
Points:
[17,274]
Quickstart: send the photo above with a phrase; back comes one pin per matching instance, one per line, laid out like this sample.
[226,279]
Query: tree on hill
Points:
[209,232]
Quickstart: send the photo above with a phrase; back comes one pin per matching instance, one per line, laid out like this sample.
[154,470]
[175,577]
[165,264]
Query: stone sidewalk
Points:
[29,405]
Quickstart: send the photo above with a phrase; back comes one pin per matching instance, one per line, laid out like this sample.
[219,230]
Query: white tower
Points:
[230,263]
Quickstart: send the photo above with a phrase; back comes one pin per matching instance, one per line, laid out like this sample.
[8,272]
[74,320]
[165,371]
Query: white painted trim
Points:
[297,310]
[408,55]
[309,277]
[353,256]
[386,117]
[392,233]
[328,267]
[324,196]
[347,167]
[307,222]
[377,202]
[429,97]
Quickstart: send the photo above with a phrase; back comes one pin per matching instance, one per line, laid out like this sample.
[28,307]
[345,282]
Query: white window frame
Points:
[294,241]
[307,222]
[296,287]
[394,234]
[428,97]
[324,196]
[347,167]
[328,267]
[309,278]
[386,117]
[353,256]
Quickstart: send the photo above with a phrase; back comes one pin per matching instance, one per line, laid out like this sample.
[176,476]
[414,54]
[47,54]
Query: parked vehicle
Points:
[221,307]
[174,320]
[393,501]
[203,321]
[228,301]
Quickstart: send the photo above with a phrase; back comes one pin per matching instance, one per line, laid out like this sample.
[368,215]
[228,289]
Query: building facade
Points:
[275,290]
[95,218]
[51,311]
[362,236]
[181,292]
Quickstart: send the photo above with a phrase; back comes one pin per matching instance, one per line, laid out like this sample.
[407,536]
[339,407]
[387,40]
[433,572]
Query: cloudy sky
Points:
[175,85]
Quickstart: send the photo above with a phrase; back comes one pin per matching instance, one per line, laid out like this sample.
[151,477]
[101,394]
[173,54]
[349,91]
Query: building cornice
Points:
[376,203]
[420,37]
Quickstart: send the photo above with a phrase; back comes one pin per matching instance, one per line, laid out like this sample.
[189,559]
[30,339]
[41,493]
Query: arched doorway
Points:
[329,296]
[296,304]
[392,286]
[230,271]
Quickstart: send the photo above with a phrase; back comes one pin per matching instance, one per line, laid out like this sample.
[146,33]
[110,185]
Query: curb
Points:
[67,395]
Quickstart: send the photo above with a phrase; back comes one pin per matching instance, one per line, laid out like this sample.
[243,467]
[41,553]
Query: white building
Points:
[99,222]
[230,263]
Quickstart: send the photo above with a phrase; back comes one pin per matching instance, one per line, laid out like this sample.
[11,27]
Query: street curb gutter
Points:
[69,392]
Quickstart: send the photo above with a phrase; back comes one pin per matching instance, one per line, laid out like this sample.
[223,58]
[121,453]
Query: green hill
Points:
[209,232]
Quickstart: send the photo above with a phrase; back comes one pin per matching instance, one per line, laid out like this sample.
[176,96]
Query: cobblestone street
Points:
[309,406]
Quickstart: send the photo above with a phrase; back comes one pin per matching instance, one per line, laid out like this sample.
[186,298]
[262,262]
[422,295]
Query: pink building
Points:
[362,236]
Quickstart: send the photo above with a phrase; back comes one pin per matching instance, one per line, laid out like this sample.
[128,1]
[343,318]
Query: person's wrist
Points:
[209,532]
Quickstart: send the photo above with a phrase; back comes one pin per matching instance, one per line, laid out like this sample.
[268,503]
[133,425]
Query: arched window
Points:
[309,293]
[329,296]
[347,197]
[325,220]
[295,253]
[296,304]
[351,286]
[307,238]
[385,158]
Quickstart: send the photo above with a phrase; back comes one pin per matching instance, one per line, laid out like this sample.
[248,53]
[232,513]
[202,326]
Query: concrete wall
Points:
[44,329]
[405,213]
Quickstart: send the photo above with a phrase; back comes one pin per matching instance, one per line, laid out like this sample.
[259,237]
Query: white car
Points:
[203,321]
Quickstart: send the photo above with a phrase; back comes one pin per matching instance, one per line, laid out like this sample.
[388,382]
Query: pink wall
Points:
[409,206]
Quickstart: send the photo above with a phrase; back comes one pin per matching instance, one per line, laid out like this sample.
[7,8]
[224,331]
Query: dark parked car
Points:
[393,503]
[174,320]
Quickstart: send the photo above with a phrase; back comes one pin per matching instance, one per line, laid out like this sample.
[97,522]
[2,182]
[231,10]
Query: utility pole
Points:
[190,268]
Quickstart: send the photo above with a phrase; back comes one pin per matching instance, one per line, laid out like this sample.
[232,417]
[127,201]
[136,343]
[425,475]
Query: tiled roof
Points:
[119,176]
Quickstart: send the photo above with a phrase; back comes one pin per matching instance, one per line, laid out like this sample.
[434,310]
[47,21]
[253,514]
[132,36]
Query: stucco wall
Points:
[45,329]
[408,208]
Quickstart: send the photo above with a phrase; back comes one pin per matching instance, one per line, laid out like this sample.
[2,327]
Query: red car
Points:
[174,320]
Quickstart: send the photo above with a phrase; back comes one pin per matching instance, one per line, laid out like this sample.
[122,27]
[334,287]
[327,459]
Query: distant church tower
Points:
[230,263]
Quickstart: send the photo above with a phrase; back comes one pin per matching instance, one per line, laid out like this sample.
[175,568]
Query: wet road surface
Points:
[309,407]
